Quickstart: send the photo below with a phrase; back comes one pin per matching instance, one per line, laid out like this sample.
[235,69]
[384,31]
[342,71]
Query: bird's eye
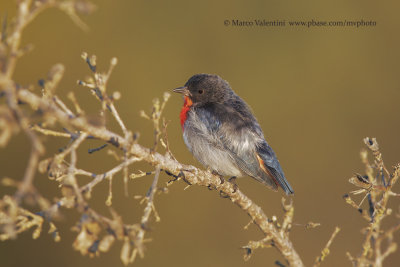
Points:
[200,91]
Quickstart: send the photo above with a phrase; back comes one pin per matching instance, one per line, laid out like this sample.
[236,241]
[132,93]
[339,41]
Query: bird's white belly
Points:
[210,156]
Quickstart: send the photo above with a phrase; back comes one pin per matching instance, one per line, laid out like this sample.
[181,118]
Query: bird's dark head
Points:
[205,88]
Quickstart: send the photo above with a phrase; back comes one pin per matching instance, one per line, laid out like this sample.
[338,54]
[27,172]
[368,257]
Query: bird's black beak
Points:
[182,90]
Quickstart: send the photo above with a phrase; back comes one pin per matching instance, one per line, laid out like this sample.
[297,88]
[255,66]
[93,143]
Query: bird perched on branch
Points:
[222,133]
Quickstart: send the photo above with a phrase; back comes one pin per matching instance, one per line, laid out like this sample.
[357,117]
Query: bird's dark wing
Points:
[240,138]
[270,164]
[241,135]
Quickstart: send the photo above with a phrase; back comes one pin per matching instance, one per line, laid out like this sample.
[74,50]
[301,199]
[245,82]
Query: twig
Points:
[288,216]
[97,178]
[325,252]
[378,193]
[146,216]
[49,132]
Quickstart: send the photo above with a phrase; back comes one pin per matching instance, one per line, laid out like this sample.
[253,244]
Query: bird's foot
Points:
[221,178]
[232,180]
[211,187]
[223,194]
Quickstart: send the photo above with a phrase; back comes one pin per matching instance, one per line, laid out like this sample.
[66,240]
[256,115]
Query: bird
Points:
[222,133]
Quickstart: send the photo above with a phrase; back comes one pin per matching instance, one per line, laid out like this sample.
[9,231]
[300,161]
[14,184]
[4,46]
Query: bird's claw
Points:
[232,180]
[221,178]
[223,194]
[211,187]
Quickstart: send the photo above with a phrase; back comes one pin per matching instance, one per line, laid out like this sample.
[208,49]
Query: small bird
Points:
[223,134]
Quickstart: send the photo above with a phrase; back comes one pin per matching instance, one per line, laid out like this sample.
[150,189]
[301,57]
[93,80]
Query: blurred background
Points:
[317,92]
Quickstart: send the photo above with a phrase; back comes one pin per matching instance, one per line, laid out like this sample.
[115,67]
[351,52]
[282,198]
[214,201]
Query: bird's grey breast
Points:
[207,139]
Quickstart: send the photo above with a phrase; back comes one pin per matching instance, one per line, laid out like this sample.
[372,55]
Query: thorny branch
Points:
[377,187]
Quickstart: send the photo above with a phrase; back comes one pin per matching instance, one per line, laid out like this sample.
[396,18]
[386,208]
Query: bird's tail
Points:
[279,177]
[270,165]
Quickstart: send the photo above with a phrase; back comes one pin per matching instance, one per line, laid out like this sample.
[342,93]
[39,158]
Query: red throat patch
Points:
[186,107]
